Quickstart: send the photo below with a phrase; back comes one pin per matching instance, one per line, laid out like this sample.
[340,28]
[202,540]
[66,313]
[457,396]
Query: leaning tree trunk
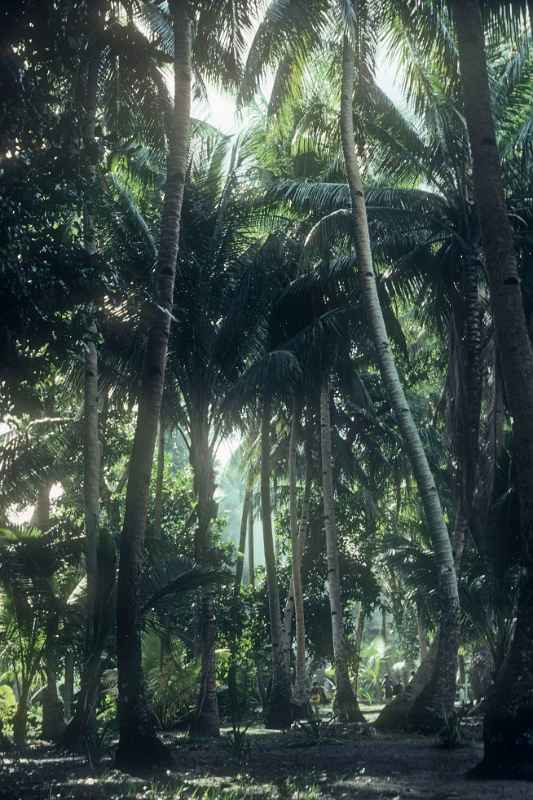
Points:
[138,743]
[508,732]
[277,712]
[395,715]
[299,694]
[346,701]
[448,591]
[206,721]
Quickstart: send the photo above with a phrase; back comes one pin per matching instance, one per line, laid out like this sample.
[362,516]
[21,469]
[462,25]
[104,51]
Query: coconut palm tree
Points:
[285,41]
[510,714]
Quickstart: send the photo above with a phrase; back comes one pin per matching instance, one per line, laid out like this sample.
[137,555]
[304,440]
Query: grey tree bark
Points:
[206,720]
[138,744]
[508,729]
[346,701]
[299,694]
[448,591]
[277,713]
[251,546]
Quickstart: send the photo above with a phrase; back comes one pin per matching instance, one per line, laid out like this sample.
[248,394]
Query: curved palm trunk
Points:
[346,701]
[508,732]
[206,721]
[277,713]
[449,622]
[138,744]
[299,694]
[395,715]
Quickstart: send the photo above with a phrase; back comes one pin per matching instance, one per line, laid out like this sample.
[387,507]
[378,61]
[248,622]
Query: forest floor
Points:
[290,766]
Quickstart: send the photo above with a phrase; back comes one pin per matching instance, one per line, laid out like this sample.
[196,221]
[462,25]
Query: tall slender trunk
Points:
[278,709]
[448,591]
[68,691]
[385,637]
[296,545]
[359,631]
[508,732]
[473,384]
[235,616]
[160,474]
[251,547]
[246,509]
[346,701]
[138,744]
[206,721]
[20,719]
[288,611]
[423,642]
[81,728]
[53,720]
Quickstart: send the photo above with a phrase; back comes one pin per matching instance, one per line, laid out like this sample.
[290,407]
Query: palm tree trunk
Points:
[423,642]
[81,728]
[160,474]
[297,589]
[302,534]
[68,692]
[346,701]
[53,721]
[246,510]
[473,377]
[448,590]
[251,548]
[359,631]
[278,709]
[138,743]
[508,731]
[395,715]
[206,721]
[20,720]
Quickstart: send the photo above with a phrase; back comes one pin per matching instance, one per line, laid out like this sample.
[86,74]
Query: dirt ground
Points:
[285,766]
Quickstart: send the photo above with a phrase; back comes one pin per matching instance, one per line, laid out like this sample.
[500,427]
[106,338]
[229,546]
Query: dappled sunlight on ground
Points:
[276,767]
